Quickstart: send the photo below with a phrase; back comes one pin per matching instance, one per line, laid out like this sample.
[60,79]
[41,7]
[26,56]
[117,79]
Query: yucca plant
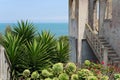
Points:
[8,29]
[62,52]
[38,58]
[12,46]
[48,39]
[64,39]
[24,30]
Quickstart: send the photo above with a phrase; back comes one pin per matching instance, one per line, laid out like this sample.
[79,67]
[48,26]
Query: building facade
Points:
[102,34]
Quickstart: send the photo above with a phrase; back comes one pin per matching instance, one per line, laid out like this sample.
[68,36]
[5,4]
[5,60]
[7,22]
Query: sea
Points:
[57,29]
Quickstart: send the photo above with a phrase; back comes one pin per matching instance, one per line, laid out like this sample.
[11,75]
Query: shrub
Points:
[87,62]
[26,72]
[117,76]
[63,76]
[55,78]
[74,77]
[59,71]
[46,73]
[84,73]
[92,78]
[70,68]
[105,78]
[57,68]
[48,79]
[35,75]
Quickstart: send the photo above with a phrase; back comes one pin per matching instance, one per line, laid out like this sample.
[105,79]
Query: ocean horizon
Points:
[57,29]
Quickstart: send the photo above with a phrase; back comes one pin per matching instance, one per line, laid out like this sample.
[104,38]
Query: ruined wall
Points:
[4,65]
[112,27]
[73,28]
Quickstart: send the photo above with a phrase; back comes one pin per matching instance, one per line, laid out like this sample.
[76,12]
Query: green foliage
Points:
[84,73]
[26,73]
[104,78]
[79,74]
[49,40]
[92,78]
[57,68]
[46,73]
[8,29]
[48,79]
[64,39]
[35,75]
[117,76]
[24,30]
[28,50]
[38,58]
[63,76]
[87,62]
[62,52]
[70,68]
[55,78]
[74,77]
[12,44]
[1,38]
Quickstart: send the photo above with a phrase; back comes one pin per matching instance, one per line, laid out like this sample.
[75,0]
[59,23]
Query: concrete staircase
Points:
[113,57]
[102,49]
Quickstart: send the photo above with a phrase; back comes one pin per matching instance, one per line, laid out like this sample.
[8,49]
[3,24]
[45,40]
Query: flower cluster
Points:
[69,71]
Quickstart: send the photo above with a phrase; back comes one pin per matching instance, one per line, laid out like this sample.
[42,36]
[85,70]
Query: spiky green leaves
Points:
[24,30]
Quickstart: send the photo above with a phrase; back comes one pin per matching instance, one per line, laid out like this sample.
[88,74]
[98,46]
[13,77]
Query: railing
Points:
[99,49]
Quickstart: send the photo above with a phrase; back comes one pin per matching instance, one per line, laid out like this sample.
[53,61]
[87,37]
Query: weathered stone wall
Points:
[4,65]
[111,27]
[73,28]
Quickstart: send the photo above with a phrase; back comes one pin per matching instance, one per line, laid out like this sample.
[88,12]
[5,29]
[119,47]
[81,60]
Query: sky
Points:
[34,10]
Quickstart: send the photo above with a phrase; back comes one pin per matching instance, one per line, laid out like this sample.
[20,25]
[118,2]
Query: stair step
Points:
[104,43]
[116,62]
[112,55]
[111,51]
[102,40]
[107,45]
[101,37]
[110,48]
[115,59]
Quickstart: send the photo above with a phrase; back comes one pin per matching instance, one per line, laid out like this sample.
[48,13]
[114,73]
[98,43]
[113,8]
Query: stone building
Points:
[4,65]
[94,30]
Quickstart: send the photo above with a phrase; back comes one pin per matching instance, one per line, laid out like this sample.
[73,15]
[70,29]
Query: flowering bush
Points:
[117,76]
[46,73]
[70,68]
[63,76]
[26,72]
[57,68]
[35,75]
[69,71]
[74,77]
[84,73]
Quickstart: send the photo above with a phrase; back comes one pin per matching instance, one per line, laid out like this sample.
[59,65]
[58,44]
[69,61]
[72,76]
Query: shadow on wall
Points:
[87,53]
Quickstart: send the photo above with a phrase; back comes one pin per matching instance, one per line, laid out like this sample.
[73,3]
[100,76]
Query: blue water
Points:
[58,29]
